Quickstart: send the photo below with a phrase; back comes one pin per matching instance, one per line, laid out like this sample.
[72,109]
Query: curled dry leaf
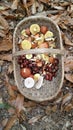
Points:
[34,119]
[10,68]
[14,5]
[68,65]
[18,103]
[66,98]
[44,1]
[4,23]
[29,104]
[2,33]
[69,107]
[9,87]
[69,77]
[6,43]
[6,57]
[33,8]
[50,109]
[66,40]
[10,122]
[56,18]
[4,122]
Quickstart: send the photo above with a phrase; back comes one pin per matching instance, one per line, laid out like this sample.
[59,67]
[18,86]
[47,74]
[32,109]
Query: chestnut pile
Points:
[34,66]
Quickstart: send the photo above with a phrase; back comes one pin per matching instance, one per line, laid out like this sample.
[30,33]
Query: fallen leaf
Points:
[4,23]
[68,65]
[23,116]
[29,104]
[4,122]
[11,111]
[66,98]
[18,103]
[69,77]
[33,8]
[68,108]
[10,68]
[6,43]
[56,18]
[10,122]
[54,108]
[34,119]
[9,87]
[44,1]
[48,110]
[6,57]
[1,62]
[65,3]
[14,88]
[2,33]
[66,40]
[14,5]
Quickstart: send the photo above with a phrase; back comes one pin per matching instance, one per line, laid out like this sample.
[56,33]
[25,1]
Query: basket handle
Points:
[39,51]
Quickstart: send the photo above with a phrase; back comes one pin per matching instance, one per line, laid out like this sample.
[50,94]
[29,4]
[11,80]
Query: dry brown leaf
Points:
[18,103]
[14,88]
[10,68]
[69,77]
[34,119]
[66,40]
[6,57]
[44,1]
[14,5]
[10,122]
[48,110]
[68,107]
[56,18]
[66,98]
[4,122]
[11,111]
[68,65]
[9,87]
[1,62]
[2,33]
[54,108]
[6,43]
[65,3]
[29,104]
[4,23]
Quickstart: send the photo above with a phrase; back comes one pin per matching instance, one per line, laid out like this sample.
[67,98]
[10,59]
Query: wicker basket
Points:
[50,89]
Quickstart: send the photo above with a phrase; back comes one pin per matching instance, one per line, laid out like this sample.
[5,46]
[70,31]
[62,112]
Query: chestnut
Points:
[25,72]
[43,29]
[28,31]
[44,45]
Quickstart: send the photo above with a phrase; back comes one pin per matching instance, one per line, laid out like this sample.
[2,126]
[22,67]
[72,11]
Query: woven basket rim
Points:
[61,83]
